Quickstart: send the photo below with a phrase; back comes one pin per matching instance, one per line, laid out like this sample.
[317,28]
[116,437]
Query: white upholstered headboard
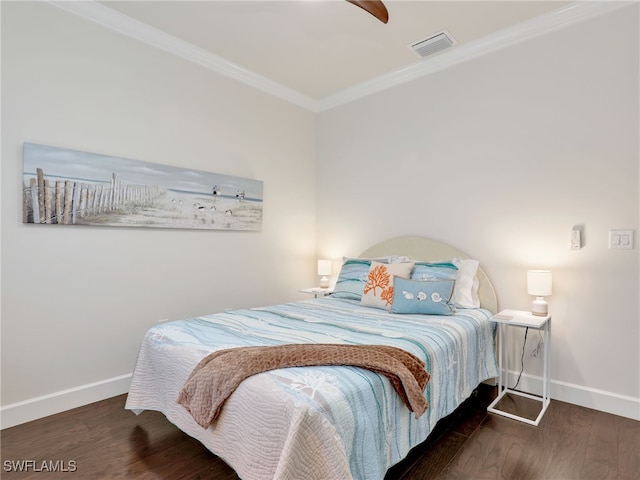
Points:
[420,248]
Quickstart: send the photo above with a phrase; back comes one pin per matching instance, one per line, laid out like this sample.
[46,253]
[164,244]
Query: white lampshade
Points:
[539,284]
[324,269]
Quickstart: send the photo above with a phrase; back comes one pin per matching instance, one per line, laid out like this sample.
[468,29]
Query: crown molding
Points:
[96,12]
[563,17]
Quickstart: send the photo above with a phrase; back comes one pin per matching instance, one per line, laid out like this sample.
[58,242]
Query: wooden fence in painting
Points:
[66,201]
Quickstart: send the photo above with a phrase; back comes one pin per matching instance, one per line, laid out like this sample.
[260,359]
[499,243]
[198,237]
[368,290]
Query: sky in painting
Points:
[73,164]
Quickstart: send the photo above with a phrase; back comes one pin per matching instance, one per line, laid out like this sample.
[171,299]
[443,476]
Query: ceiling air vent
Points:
[433,44]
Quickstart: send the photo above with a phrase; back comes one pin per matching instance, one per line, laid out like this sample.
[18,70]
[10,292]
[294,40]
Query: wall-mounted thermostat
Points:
[576,238]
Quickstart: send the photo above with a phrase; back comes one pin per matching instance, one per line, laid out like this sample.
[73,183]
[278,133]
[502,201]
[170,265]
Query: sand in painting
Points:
[175,209]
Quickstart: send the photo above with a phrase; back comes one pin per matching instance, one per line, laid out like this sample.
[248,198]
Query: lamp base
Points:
[540,307]
[324,282]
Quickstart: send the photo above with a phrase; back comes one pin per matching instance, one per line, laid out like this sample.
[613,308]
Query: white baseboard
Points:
[39,407]
[50,404]
[616,404]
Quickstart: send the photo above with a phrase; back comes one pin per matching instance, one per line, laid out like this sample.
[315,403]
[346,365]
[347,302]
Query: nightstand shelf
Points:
[317,291]
[519,318]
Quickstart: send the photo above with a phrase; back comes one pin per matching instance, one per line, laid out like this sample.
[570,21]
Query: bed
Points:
[324,422]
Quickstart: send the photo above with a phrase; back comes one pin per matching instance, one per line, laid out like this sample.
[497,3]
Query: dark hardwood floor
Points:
[104,441]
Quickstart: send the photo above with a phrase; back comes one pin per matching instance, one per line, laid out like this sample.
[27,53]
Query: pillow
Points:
[429,297]
[352,278]
[434,271]
[378,290]
[465,295]
[465,292]
[353,275]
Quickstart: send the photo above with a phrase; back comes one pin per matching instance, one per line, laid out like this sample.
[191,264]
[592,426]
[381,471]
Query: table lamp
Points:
[324,269]
[539,284]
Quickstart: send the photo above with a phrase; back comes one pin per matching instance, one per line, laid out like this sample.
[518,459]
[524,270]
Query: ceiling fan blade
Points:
[374,7]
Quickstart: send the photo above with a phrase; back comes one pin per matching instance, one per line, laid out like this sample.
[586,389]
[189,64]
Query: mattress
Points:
[328,422]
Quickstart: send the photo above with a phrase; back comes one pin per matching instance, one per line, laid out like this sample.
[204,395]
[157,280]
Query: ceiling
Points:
[318,48]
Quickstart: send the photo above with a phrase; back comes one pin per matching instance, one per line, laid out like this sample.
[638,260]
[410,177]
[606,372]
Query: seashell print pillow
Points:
[426,297]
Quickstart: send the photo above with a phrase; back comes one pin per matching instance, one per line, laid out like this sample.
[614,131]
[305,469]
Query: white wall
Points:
[502,156]
[77,300]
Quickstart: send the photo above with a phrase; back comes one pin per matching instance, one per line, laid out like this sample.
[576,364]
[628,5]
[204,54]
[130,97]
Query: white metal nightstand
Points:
[317,291]
[519,318]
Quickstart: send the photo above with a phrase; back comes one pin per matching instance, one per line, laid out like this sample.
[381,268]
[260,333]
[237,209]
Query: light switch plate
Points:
[621,239]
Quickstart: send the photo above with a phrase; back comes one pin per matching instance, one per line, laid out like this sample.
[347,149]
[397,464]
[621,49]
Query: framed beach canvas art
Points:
[70,187]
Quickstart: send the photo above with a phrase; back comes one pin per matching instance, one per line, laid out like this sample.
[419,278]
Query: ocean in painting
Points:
[72,187]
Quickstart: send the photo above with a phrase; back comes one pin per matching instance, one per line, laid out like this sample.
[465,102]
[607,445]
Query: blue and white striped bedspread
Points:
[361,408]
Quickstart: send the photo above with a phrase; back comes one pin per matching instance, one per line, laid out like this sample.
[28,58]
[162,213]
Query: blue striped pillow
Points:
[352,278]
[434,271]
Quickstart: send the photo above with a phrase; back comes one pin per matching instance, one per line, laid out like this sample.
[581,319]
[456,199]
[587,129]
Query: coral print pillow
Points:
[378,289]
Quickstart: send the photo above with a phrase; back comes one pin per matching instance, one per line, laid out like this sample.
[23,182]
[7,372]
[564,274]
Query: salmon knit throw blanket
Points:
[217,375]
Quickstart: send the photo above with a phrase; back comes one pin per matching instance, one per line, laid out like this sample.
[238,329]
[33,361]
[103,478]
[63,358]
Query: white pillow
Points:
[465,294]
